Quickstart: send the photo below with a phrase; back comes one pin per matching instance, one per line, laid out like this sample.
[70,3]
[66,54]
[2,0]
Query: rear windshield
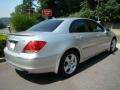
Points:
[46,26]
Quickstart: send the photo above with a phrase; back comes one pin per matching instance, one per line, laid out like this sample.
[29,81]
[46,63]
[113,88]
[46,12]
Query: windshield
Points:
[46,26]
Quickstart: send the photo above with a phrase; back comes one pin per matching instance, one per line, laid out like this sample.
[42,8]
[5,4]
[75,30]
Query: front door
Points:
[102,39]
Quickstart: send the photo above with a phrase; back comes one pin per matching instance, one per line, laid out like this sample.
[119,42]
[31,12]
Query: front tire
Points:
[113,45]
[68,64]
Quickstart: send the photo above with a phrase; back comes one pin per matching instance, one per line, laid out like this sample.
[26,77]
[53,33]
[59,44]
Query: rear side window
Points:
[46,26]
[79,26]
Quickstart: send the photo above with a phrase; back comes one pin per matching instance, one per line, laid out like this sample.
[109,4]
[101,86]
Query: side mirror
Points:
[107,29]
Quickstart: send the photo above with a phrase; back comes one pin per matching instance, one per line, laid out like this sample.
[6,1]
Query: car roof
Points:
[71,18]
[68,20]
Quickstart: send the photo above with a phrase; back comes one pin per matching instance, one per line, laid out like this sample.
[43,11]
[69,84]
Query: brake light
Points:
[34,46]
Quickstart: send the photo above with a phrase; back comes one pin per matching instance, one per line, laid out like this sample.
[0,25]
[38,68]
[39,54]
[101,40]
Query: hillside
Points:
[5,21]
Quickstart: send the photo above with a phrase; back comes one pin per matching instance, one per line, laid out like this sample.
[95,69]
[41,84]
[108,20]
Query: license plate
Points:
[11,45]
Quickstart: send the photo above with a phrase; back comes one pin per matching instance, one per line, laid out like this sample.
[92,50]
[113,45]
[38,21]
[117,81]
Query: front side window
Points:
[79,26]
[94,27]
[46,26]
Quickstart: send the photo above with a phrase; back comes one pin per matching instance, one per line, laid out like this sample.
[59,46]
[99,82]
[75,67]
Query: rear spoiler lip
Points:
[15,34]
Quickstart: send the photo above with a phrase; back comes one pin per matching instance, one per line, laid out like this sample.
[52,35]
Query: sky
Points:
[8,6]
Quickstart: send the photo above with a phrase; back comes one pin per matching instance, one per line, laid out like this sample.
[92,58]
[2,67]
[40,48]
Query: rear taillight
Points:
[34,46]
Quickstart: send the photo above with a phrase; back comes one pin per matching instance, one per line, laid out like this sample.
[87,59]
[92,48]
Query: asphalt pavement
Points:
[99,73]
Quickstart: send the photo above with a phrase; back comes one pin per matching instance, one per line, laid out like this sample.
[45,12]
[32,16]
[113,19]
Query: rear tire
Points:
[68,64]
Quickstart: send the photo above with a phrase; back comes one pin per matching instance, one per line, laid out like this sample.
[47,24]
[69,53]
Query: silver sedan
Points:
[58,45]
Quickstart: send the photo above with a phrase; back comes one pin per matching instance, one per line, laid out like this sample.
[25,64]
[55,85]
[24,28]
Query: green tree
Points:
[61,7]
[109,11]
[22,8]
[112,10]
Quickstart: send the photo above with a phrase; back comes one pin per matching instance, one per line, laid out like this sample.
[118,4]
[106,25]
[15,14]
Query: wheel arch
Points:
[70,49]
[114,37]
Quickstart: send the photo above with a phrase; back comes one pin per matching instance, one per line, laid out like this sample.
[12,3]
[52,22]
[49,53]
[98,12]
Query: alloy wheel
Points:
[70,64]
[113,45]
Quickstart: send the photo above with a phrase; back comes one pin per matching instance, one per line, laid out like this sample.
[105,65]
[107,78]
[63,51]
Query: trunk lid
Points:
[17,41]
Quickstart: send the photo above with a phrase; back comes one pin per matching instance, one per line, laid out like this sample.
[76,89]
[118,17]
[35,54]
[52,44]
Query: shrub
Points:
[3,39]
[22,22]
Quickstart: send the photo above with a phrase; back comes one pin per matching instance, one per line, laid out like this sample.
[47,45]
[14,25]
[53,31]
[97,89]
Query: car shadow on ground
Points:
[48,78]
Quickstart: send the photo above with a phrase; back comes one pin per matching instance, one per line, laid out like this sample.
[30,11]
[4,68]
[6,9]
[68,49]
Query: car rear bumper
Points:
[31,63]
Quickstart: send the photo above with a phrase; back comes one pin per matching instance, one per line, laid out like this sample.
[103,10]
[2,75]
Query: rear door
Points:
[85,40]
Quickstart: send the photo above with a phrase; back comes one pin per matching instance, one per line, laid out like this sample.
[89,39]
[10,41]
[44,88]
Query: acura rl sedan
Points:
[58,45]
